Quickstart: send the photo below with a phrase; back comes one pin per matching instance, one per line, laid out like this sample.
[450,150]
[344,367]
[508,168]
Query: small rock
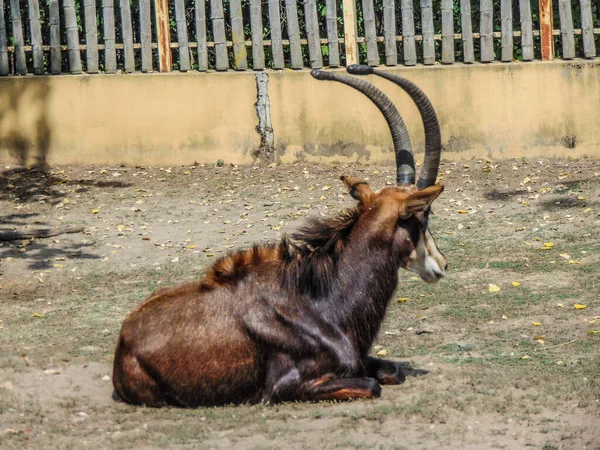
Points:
[105,378]
[7,385]
[51,371]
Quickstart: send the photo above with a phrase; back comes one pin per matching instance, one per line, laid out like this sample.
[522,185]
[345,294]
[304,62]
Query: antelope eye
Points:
[413,229]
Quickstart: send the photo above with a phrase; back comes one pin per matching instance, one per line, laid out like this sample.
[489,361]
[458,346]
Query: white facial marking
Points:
[426,260]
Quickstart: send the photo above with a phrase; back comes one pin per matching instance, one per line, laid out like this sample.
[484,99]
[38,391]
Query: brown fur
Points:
[287,321]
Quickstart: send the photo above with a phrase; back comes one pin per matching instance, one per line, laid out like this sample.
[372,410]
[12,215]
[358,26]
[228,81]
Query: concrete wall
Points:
[495,111]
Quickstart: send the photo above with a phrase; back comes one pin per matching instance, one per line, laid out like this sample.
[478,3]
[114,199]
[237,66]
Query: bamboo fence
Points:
[99,36]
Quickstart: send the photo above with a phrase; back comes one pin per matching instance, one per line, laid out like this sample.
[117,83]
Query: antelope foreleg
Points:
[289,381]
[385,371]
[329,388]
[297,331]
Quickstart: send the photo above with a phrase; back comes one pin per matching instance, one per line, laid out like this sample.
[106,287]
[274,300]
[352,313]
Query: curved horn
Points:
[405,162]
[433,136]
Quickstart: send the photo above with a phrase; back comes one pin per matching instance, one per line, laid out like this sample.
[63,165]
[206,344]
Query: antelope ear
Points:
[420,200]
[359,189]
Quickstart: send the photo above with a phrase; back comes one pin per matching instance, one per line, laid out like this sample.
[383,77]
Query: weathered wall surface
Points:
[131,119]
[495,111]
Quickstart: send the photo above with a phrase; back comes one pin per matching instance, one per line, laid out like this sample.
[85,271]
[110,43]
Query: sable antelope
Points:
[293,320]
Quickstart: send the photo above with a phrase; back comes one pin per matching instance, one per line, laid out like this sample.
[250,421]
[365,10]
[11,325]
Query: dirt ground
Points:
[511,337]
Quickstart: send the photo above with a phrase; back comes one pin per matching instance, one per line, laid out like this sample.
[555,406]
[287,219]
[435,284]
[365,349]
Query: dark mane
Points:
[231,268]
[315,251]
[309,257]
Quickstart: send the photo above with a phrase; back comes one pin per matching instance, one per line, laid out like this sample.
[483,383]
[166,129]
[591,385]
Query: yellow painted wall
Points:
[130,119]
[496,111]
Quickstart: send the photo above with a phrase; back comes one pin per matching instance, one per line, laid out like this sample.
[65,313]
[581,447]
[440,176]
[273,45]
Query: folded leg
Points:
[330,388]
[296,330]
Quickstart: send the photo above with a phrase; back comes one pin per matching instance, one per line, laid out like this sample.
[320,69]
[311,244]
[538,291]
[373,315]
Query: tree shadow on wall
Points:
[25,131]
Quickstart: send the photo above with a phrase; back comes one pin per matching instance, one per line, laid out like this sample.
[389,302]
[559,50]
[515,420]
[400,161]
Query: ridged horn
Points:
[433,136]
[405,162]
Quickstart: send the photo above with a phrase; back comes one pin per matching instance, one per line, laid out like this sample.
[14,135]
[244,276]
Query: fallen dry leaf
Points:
[516,284]
[493,288]
[536,324]
[579,306]
[382,353]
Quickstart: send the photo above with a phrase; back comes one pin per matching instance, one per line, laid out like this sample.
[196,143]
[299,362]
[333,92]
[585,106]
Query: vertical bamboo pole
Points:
[408,33]
[4,69]
[256,25]
[182,36]
[332,33]
[566,29]
[547,41]
[389,32]
[146,35]
[72,36]
[110,55]
[127,30]
[240,55]
[36,37]
[587,29]
[17,25]
[291,9]
[526,30]
[201,35]
[312,34]
[276,39]
[350,31]
[447,32]
[55,50]
[163,34]
[218,23]
[506,27]
[91,36]
[370,32]
[467,31]
[486,28]
[428,33]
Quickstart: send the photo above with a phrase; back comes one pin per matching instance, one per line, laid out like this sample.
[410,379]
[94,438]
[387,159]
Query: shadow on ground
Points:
[42,255]
[23,185]
[38,184]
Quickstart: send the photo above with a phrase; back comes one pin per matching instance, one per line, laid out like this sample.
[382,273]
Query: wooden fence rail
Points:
[75,36]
